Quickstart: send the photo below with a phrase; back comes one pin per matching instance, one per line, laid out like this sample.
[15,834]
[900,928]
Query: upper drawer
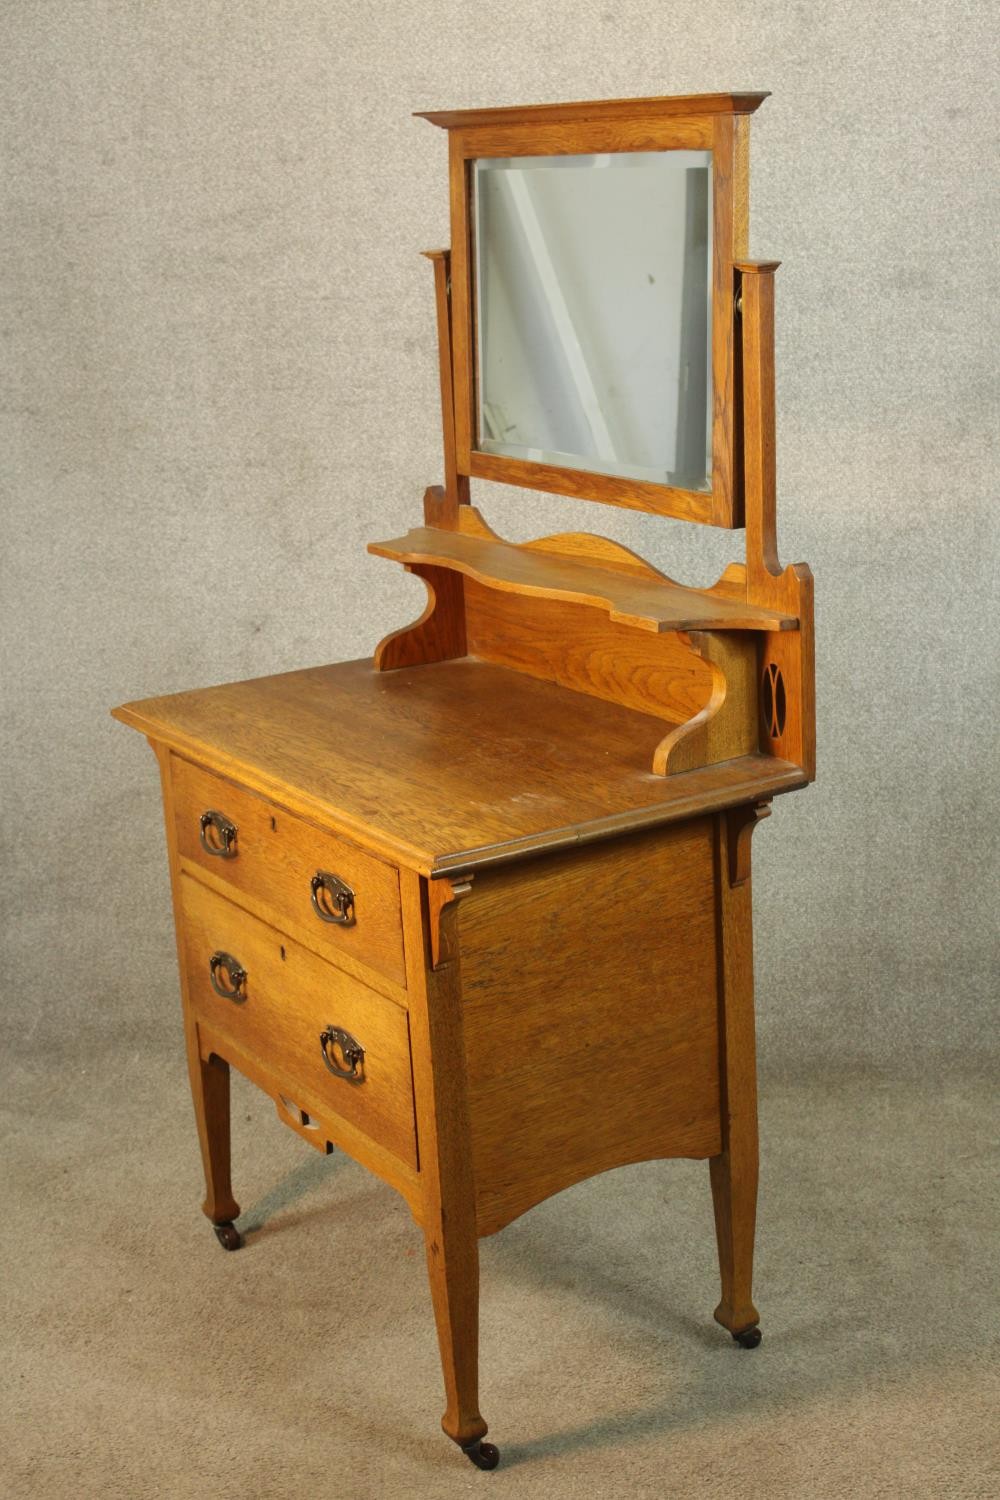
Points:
[307,878]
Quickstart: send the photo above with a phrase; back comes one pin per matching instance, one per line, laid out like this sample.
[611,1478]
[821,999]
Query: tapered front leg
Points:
[734,1170]
[449,1203]
[210,1093]
[453,1269]
[734,1194]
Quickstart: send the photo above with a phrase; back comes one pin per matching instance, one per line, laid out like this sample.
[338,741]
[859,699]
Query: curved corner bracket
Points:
[438,635]
[443,897]
[686,747]
[740,824]
[725,726]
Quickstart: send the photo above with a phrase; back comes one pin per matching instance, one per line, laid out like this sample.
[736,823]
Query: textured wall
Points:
[218,382]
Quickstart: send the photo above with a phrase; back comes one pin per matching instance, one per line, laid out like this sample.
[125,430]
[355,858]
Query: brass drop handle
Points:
[343,1054]
[233,987]
[217,834]
[332,899]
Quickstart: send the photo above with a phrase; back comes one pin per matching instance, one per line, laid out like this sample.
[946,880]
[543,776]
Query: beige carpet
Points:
[141,1360]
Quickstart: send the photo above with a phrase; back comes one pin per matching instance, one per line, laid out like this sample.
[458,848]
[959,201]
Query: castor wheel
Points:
[228,1236]
[748,1338]
[483,1455]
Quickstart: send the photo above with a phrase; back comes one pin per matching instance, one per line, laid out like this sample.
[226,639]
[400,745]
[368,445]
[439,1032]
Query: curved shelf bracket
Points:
[726,726]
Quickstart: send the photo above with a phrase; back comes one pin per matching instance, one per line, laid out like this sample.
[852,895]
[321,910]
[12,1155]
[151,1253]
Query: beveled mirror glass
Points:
[593,298]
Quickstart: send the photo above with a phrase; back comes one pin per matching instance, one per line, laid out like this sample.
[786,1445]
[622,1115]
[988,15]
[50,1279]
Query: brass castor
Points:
[483,1455]
[228,1236]
[748,1338]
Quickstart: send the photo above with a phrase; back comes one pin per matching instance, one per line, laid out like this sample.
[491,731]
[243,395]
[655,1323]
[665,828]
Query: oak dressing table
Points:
[478,911]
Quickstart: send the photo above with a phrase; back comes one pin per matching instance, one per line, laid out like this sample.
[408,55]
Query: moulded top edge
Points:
[596,109]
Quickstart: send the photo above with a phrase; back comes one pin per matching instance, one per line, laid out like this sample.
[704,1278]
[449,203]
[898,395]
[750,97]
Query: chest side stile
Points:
[447,1207]
[209,1078]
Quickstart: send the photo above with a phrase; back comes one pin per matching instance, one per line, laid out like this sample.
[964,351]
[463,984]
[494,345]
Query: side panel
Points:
[590,988]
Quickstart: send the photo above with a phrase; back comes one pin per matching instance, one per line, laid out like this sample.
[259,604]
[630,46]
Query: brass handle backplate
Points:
[217,834]
[234,985]
[332,899]
[343,1054]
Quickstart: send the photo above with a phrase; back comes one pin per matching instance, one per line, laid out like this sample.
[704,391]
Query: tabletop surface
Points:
[447,767]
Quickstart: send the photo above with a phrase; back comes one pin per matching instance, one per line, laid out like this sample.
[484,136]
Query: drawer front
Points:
[288,1001]
[276,859]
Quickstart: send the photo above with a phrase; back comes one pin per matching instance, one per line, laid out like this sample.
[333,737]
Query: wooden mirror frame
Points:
[708,122]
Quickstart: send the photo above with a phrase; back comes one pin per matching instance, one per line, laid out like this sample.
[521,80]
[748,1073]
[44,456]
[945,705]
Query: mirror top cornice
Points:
[597,109]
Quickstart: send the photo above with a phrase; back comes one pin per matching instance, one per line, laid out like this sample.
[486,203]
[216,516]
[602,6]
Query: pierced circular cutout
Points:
[772,700]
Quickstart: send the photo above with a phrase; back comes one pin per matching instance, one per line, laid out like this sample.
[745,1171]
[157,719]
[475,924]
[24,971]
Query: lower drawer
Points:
[301,1016]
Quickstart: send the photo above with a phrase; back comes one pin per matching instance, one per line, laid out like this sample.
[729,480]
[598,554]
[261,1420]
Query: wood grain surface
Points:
[291,997]
[580,648]
[727,213]
[734,1170]
[277,855]
[456,486]
[447,1210]
[457,765]
[647,603]
[579,484]
[726,726]
[767,583]
[590,1015]
[267,1076]
[656,106]
[439,633]
[208,1074]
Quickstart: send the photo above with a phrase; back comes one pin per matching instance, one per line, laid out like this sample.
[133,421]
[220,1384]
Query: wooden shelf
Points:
[631,594]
